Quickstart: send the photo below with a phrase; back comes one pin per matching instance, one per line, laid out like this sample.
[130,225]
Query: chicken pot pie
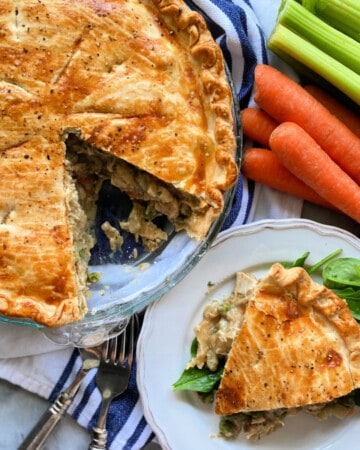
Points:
[290,345]
[141,85]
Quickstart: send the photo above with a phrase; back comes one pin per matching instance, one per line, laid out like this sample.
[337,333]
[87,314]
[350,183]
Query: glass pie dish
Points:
[128,283]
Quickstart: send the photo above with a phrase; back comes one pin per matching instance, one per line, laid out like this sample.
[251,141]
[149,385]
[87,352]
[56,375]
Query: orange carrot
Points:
[299,153]
[257,125]
[287,101]
[341,111]
[263,166]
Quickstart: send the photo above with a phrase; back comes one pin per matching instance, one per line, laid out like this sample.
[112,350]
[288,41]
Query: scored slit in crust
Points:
[141,80]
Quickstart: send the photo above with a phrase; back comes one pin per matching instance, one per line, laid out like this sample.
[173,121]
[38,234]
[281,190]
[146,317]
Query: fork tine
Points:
[123,341]
[134,338]
[130,346]
[112,351]
[109,351]
[104,351]
[127,342]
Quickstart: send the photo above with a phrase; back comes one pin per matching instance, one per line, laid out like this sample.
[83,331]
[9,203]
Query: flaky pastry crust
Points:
[143,80]
[298,345]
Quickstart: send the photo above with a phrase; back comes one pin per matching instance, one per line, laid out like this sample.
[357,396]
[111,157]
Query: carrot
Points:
[299,153]
[263,166]
[342,112]
[257,125]
[287,101]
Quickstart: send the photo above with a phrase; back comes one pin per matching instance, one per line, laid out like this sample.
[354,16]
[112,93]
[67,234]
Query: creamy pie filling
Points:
[86,170]
[83,241]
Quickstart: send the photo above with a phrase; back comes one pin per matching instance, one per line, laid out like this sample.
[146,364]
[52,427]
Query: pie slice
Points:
[142,87]
[298,345]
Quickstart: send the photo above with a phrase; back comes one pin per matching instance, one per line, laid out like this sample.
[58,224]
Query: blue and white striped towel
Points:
[30,361]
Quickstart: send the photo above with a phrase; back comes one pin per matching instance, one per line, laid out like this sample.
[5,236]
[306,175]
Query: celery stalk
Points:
[336,73]
[308,76]
[343,15]
[333,42]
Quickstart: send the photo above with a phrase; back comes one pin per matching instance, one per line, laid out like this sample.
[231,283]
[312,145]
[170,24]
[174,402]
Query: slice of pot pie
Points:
[298,347]
[140,87]
[278,346]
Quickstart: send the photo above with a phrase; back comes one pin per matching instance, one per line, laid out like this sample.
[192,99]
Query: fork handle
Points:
[39,434]
[48,421]
[99,438]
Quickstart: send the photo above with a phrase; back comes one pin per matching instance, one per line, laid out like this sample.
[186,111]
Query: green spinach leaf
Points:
[323,261]
[299,262]
[199,380]
[352,298]
[342,273]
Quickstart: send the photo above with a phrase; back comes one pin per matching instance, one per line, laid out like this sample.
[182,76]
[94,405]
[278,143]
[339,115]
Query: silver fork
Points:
[113,376]
[48,421]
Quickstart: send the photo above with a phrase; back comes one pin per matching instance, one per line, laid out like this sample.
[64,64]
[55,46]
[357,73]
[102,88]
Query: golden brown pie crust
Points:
[298,345]
[143,80]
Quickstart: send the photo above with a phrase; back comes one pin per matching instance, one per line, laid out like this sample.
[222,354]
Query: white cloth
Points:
[30,360]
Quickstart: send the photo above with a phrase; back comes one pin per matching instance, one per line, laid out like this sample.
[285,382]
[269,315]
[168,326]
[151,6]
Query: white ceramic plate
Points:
[179,419]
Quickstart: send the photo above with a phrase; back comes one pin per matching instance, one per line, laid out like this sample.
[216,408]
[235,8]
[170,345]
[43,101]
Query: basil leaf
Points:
[199,380]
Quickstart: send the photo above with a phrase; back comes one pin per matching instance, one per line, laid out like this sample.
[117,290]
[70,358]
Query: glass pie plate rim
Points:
[101,322]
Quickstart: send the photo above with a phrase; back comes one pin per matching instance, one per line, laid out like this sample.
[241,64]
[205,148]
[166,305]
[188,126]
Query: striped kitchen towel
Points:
[37,365]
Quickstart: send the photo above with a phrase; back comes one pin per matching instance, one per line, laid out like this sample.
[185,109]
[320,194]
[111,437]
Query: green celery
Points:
[308,76]
[343,15]
[345,79]
[333,42]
